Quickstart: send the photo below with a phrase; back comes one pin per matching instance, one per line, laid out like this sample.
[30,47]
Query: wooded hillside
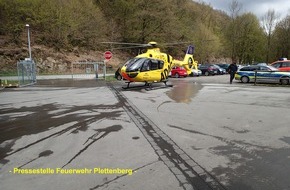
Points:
[76,27]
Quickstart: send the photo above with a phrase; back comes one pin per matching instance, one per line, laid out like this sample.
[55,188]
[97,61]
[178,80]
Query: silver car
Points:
[262,74]
[195,72]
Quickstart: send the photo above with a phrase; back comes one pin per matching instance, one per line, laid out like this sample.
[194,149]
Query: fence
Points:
[26,72]
[87,70]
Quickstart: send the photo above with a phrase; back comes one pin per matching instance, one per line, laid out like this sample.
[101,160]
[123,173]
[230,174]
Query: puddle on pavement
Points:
[286,139]
[183,91]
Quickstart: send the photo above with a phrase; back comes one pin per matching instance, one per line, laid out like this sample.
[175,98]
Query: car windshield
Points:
[276,65]
[272,68]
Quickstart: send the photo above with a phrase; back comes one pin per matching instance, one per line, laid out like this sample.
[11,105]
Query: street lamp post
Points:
[28,36]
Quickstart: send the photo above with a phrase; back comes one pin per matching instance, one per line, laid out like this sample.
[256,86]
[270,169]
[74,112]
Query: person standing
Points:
[233,68]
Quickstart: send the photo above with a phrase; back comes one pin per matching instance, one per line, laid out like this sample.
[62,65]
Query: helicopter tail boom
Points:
[188,62]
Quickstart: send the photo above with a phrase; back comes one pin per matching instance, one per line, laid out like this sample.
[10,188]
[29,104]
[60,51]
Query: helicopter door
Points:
[156,70]
[151,70]
[145,70]
[146,66]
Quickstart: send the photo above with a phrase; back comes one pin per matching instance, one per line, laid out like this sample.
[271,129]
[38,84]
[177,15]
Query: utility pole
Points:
[28,36]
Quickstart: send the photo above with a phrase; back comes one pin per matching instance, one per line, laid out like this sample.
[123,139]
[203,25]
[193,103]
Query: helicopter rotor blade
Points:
[175,43]
[129,47]
[138,44]
[124,43]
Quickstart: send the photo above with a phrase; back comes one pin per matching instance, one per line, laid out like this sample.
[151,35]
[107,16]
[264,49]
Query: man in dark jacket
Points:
[233,68]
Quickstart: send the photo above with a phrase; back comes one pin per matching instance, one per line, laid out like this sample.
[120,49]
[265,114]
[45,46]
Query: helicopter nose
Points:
[129,76]
[132,75]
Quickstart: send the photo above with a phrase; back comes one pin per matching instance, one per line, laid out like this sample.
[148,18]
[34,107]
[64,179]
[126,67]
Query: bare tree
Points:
[269,21]
[235,8]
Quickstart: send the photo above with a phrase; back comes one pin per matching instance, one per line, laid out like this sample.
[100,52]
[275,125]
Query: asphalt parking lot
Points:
[202,133]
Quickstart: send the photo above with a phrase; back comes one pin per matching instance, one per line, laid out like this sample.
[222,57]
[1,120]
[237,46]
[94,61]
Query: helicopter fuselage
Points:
[145,70]
[149,67]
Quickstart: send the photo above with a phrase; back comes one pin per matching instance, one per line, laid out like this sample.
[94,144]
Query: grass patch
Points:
[9,83]
[8,73]
[111,78]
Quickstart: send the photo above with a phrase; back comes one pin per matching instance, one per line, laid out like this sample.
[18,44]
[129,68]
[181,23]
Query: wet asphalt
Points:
[201,133]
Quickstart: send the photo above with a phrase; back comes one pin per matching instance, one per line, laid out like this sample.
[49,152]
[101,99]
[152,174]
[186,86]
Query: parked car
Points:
[208,69]
[195,72]
[266,74]
[261,64]
[282,65]
[221,71]
[118,75]
[178,72]
[224,66]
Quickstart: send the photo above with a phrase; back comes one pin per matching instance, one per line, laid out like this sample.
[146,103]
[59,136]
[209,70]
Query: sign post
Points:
[108,55]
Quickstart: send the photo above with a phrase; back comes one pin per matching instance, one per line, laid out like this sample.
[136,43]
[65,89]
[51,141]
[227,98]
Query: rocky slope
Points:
[49,60]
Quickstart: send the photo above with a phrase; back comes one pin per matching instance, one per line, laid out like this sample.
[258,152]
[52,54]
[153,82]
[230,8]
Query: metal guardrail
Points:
[88,69]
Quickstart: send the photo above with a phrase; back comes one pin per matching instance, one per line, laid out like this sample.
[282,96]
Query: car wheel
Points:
[245,79]
[206,73]
[119,77]
[284,81]
[176,75]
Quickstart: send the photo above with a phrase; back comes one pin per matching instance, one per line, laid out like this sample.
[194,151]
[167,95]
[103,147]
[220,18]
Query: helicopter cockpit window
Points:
[160,64]
[146,66]
[154,64]
[135,65]
[130,61]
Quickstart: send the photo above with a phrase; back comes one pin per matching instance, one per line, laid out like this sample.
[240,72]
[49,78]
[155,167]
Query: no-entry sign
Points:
[108,55]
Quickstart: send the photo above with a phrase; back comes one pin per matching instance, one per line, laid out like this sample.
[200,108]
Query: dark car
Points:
[118,75]
[208,69]
[221,71]
[224,66]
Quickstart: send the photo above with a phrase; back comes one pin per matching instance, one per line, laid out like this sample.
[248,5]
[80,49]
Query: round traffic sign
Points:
[108,55]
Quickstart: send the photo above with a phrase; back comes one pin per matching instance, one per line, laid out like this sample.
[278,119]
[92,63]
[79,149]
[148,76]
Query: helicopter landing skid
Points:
[147,86]
[170,85]
[150,87]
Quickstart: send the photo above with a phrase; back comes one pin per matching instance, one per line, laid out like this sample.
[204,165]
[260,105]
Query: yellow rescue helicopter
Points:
[154,66]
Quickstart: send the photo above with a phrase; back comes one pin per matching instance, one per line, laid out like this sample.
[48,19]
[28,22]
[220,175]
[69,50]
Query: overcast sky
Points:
[258,7]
